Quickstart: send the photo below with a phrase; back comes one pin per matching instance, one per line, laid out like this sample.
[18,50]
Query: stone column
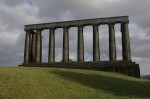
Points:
[126,52]
[65,45]
[96,49]
[27,47]
[33,47]
[112,43]
[80,54]
[51,57]
[41,48]
[38,47]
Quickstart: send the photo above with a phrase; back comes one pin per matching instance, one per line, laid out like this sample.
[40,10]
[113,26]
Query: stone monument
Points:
[33,46]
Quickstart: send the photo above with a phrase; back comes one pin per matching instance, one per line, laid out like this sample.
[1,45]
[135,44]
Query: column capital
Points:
[27,31]
[39,30]
[53,28]
[124,22]
[111,24]
[32,31]
[80,26]
[124,25]
[95,24]
[66,27]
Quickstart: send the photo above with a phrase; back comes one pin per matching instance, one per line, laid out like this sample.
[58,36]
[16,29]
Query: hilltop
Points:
[51,83]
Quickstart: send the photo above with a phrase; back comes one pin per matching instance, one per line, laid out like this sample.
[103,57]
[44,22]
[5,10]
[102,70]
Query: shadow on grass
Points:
[115,86]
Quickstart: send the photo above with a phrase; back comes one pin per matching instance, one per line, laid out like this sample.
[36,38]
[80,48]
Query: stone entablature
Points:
[86,22]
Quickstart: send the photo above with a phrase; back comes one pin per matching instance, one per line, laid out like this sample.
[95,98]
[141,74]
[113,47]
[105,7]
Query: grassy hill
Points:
[48,83]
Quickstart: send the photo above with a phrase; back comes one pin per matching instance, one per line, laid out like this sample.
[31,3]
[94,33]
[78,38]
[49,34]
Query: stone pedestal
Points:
[124,67]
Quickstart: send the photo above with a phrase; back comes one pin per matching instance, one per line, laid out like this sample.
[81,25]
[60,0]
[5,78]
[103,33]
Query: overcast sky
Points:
[14,14]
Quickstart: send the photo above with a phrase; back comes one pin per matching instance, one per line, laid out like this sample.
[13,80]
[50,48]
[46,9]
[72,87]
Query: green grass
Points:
[48,83]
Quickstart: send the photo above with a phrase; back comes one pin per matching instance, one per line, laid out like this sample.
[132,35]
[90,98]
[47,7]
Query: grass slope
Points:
[48,83]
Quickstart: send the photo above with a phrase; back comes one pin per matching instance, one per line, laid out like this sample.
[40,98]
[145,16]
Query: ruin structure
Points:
[33,46]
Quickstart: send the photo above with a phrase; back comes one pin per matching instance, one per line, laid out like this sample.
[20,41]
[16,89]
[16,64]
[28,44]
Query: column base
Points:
[124,67]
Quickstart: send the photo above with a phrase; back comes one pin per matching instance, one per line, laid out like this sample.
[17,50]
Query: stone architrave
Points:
[65,44]
[80,54]
[112,43]
[51,57]
[126,51]
[96,49]
[27,47]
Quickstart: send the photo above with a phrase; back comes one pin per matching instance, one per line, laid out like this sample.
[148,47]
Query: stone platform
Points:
[124,67]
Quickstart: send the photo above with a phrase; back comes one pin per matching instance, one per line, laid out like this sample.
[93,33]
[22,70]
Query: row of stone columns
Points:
[33,45]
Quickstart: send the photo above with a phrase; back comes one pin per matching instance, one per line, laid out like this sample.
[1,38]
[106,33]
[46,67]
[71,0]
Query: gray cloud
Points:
[15,14]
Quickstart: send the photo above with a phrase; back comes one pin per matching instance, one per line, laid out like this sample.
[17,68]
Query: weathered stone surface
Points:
[51,57]
[112,43]
[125,67]
[126,51]
[65,45]
[80,55]
[38,46]
[27,47]
[75,23]
[96,49]
[33,50]
[33,47]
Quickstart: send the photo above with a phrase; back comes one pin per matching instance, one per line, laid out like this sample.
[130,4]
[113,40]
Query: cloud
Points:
[15,14]
[12,21]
